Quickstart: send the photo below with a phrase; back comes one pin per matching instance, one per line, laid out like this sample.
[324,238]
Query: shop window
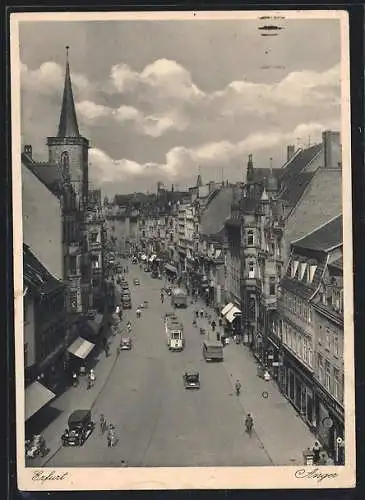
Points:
[300,346]
[327,380]
[310,354]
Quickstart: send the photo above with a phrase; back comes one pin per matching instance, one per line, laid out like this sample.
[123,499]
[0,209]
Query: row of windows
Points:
[297,306]
[329,340]
[330,377]
[298,343]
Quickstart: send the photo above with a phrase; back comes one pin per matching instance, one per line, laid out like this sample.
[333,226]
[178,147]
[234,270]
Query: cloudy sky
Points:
[160,100]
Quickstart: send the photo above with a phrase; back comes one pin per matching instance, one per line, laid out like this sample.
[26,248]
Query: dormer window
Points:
[294,268]
[312,271]
[303,267]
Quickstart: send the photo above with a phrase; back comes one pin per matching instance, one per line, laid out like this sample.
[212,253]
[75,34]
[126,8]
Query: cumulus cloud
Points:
[182,162]
[48,79]
[190,128]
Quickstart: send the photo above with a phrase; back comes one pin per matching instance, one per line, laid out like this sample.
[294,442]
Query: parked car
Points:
[80,426]
[125,344]
[136,281]
[191,379]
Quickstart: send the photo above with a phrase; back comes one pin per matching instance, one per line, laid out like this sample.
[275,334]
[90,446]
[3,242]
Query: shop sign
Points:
[277,363]
[270,356]
[330,403]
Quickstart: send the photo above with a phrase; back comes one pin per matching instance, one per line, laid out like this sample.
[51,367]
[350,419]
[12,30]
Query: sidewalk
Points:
[282,432]
[77,398]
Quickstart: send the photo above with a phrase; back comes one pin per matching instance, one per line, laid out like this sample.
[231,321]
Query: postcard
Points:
[182,250]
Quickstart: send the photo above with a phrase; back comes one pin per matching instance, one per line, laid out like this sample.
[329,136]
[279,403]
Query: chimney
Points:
[331,148]
[28,150]
[290,151]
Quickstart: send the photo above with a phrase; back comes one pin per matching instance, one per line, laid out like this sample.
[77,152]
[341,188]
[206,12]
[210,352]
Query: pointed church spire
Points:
[68,121]
[250,172]
[199,180]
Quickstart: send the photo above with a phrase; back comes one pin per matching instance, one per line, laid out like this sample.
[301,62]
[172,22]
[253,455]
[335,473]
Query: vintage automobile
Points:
[136,281]
[80,426]
[125,344]
[191,379]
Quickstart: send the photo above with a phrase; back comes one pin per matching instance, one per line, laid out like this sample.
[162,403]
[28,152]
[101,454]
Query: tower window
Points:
[250,238]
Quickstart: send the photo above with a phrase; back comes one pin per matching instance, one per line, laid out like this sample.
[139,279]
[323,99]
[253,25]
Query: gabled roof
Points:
[36,276]
[324,238]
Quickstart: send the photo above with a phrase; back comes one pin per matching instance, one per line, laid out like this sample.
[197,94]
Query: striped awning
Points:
[232,314]
[36,396]
[226,308]
[81,348]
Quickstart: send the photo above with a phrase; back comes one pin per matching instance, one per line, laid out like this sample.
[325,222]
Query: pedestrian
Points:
[197,314]
[201,313]
[316,451]
[118,351]
[214,324]
[102,423]
[220,322]
[218,336]
[249,424]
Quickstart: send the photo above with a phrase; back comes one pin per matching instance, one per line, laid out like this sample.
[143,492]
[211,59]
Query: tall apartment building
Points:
[307,338]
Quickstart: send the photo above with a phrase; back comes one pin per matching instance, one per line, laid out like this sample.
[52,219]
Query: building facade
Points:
[307,338]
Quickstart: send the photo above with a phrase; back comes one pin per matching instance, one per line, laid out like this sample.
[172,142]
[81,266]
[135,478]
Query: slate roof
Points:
[337,264]
[323,238]
[216,212]
[293,179]
[297,163]
[36,276]
[47,173]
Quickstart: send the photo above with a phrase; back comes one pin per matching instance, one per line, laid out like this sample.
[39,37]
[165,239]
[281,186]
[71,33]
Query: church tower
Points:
[250,172]
[69,149]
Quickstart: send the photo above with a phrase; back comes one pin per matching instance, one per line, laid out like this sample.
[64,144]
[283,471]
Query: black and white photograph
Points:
[183,250]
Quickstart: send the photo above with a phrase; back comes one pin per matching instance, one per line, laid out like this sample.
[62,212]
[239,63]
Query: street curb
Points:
[91,407]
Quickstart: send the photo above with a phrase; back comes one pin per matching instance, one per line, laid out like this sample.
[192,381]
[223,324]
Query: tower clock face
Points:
[65,164]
